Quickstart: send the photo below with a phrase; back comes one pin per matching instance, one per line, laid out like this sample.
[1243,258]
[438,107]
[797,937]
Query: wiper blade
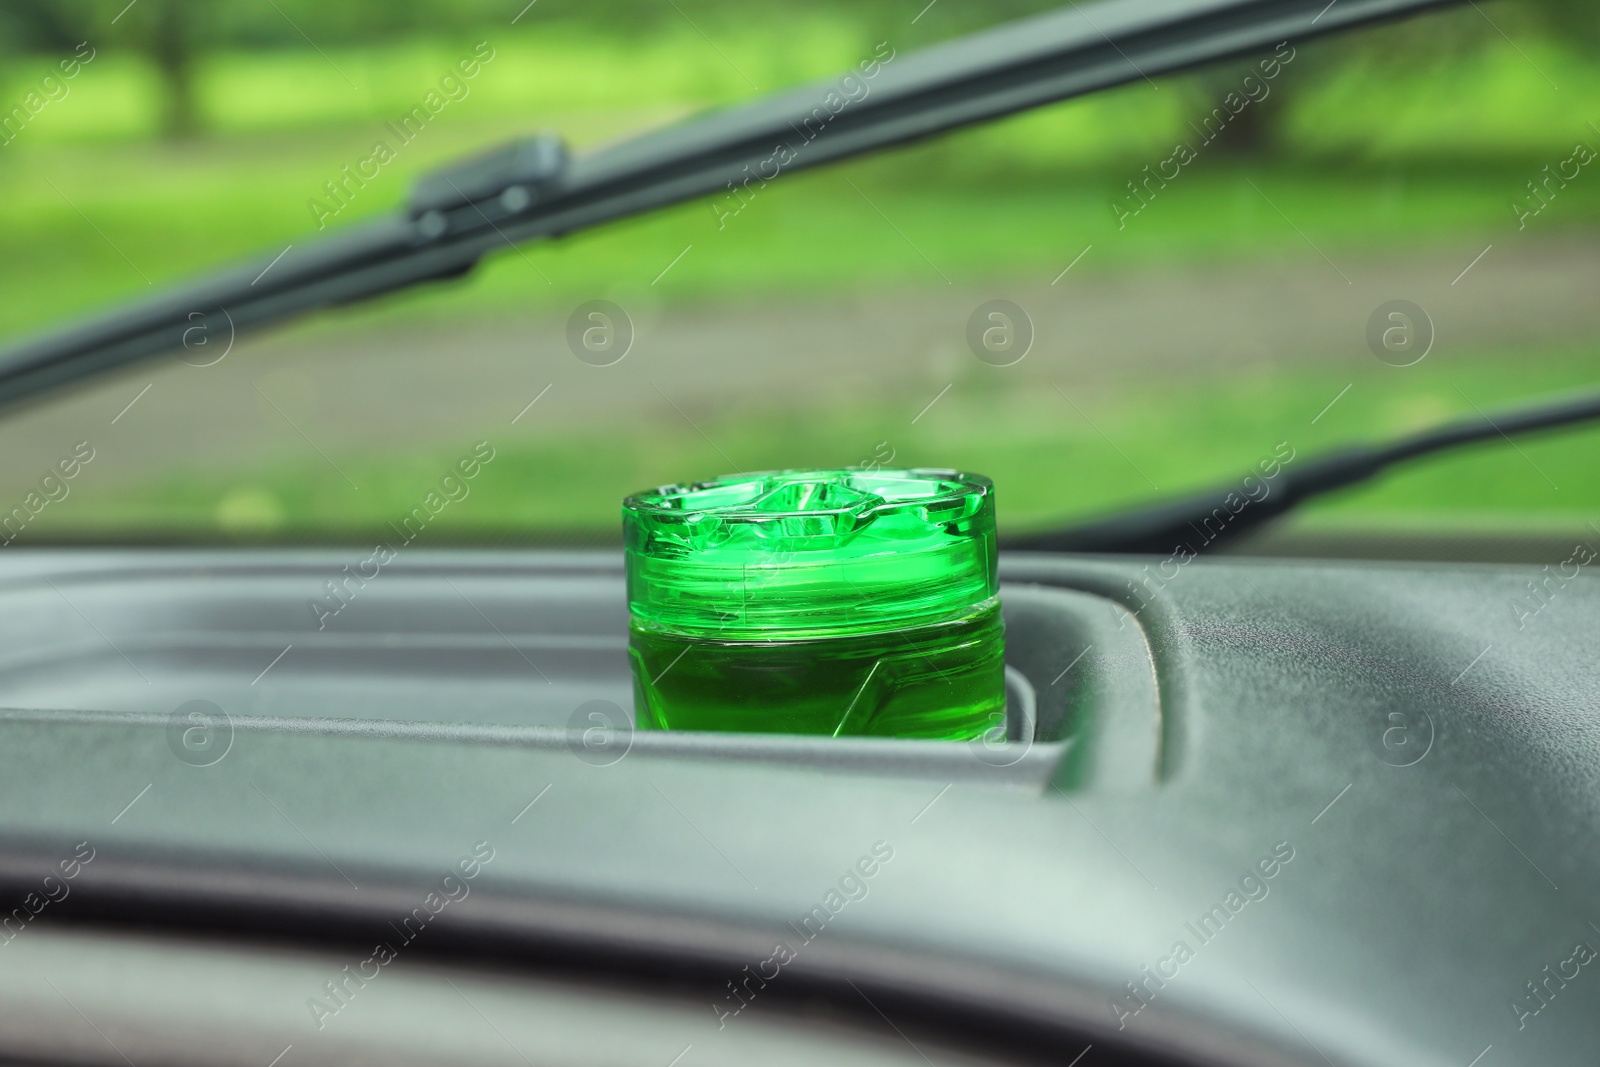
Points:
[1201,521]
[531,189]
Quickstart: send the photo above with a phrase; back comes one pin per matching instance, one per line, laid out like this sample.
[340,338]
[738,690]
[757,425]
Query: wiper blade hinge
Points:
[516,175]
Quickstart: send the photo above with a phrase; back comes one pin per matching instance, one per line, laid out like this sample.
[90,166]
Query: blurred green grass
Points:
[1050,463]
[92,208]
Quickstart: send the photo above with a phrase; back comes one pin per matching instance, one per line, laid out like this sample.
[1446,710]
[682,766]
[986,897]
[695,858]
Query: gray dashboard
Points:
[1259,812]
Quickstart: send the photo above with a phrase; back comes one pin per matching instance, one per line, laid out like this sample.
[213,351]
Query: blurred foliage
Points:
[174,34]
[1410,137]
[1437,40]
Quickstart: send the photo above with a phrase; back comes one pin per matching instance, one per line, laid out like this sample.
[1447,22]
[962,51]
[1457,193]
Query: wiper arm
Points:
[531,189]
[1203,520]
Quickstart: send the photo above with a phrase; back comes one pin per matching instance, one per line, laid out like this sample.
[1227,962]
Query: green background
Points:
[1418,136]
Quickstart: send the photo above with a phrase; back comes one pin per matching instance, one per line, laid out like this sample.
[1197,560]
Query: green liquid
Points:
[943,682]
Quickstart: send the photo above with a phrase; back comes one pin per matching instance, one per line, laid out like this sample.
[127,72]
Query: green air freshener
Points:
[835,602]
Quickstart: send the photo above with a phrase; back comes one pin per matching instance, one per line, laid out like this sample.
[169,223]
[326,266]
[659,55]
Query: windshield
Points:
[1096,304]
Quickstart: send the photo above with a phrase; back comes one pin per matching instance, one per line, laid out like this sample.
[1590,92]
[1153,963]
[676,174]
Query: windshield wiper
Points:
[1203,520]
[531,189]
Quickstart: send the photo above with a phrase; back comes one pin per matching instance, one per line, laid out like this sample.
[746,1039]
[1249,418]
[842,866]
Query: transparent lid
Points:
[810,553]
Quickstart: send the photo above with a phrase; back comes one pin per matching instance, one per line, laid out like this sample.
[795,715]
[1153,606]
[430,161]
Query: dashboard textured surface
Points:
[1372,781]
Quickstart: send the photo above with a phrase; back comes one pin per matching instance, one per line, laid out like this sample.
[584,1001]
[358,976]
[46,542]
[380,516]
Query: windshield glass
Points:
[1096,304]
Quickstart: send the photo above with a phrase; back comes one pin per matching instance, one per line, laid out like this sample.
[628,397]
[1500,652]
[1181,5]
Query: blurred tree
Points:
[38,26]
[1430,38]
[166,32]
[1574,20]
[1254,130]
